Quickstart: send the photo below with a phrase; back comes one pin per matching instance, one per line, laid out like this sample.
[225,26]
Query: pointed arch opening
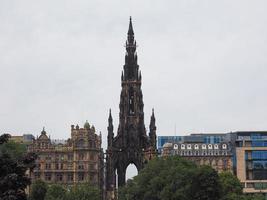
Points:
[131,171]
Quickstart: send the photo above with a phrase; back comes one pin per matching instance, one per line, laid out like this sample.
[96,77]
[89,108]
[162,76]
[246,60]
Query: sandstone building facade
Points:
[76,160]
[218,156]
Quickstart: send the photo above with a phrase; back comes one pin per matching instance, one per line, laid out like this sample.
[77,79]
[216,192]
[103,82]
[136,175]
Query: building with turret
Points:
[67,162]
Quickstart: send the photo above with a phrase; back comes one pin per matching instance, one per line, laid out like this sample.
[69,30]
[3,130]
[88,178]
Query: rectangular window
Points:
[70,177]
[37,175]
[81,156]
[259,144]
[259,174]
[46,166]
[81,176]
[259,155]
[80,166]
[48,176]
[70,165]
[70,156]
[59,177]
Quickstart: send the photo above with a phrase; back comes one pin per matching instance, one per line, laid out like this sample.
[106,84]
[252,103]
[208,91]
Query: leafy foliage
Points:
[4,138]
[41,191]
[83,192]
[15,150]
[14,162]
[55,192]
[38,190]
[256,197]
[172,178]
[231,186]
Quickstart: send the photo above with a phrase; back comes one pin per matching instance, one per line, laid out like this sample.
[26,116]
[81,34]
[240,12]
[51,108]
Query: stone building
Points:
[218,156]
[78,159]
[251,160]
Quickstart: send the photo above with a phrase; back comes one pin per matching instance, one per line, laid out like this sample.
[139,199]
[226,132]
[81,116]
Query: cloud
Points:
[203,64]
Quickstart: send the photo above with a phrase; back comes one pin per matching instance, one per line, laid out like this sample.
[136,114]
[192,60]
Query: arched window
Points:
[80,143]
[131,101]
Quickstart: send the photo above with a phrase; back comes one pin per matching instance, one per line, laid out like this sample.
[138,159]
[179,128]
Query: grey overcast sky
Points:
[204,64]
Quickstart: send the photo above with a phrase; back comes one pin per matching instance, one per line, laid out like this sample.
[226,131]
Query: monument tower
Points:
[131,145]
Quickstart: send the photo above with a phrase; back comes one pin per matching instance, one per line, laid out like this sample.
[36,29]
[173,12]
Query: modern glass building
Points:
[251,161]
[249,154]
[206,138]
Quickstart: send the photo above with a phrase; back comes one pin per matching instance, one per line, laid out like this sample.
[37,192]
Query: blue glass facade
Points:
[259,155]
[212,139]
[258,143]
[165,139]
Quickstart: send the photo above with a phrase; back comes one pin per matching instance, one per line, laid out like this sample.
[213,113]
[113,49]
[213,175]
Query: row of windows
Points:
[259,164]
[257,186]
[259,143]
[69,157]
[212,139]
[198,146]
[59,166]
[81,144]
[260,155]
[68,177]
[259,174]
[201,153]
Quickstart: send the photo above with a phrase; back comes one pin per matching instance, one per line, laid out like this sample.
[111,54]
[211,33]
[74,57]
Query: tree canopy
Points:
[14,162]
[55,192]
[38,190]
[174,178]
[42,191]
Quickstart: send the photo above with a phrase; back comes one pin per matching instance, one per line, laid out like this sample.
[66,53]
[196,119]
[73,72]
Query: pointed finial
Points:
[43,131]
[110,116]
[86,125]
[130,31]
[153,116]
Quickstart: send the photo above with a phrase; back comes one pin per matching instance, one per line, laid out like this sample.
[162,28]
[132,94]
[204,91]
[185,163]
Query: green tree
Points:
[172,178]
[13,178]
[15,150]
[38,190]
[205,184]
[83,192]
[55,192]
[255,197]
[231,186]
